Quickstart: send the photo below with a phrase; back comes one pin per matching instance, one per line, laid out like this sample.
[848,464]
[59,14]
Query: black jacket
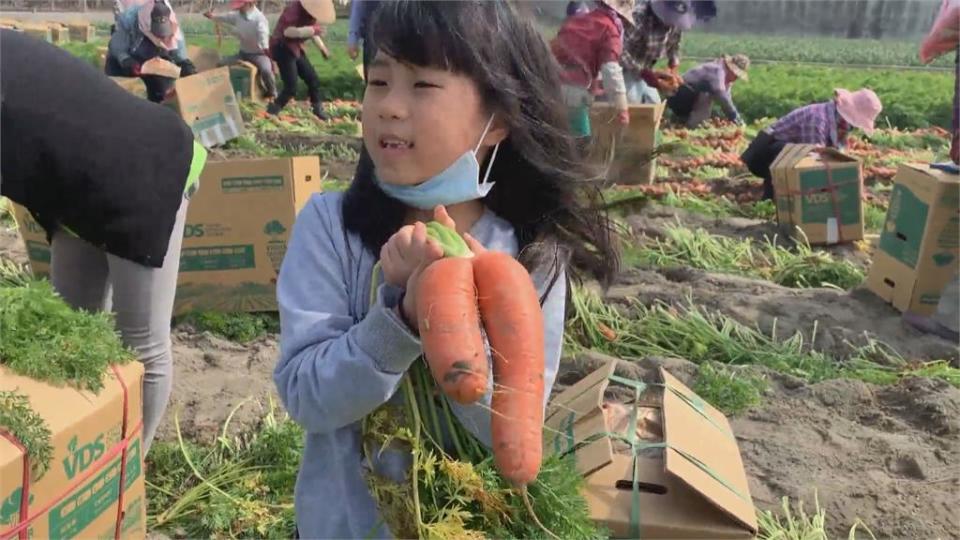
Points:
[78,150]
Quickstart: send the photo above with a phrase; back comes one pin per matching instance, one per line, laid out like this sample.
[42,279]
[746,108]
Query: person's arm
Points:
[673,49]
[612,73]
[230,18]
[303,32]
[358,14]
[263,33]
[119,46]
[333,372]
[476,417]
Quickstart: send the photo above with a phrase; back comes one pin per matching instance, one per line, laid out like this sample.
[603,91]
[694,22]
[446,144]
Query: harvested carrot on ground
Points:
[449,320]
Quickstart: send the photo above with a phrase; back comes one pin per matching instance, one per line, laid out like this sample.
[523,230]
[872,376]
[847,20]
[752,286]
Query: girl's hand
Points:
[404,252]
[422,251]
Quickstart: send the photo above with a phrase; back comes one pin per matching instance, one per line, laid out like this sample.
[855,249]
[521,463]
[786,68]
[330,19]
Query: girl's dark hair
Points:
[540,187]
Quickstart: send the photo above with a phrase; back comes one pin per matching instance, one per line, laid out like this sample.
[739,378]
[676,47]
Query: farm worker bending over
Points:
[706,84]
[252,29]
[112,195]
[144,32]
[659,27]
[587,45]
[824,124]
[301,20]
[442,128]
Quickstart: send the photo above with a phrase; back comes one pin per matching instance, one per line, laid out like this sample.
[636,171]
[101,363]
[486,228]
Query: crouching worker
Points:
[824,124]
[144,32]
[589,44]
[250,26]
[706,84]
[111,195]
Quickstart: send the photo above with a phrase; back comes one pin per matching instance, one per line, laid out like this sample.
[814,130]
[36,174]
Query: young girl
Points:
[462,110]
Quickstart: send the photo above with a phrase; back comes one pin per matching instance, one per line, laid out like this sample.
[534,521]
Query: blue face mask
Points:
[456,184]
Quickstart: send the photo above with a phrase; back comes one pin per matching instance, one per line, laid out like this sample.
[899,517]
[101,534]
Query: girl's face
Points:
[419,120]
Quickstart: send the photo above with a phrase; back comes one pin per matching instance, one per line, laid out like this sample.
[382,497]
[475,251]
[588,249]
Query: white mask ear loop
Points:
[495,148]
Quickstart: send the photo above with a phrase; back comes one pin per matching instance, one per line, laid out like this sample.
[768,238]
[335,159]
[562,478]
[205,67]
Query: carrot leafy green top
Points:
[452,243]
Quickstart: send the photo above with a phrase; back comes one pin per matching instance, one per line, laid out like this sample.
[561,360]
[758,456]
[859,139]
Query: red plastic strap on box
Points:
[120,448]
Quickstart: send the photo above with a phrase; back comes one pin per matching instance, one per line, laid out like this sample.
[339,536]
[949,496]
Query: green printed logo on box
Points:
[949,237]
[11,506]
[131,519]
[903,230]
[38,251]
[820,202]
[240,184]
[87,503]
[212,121]
[210,258]
[80,457]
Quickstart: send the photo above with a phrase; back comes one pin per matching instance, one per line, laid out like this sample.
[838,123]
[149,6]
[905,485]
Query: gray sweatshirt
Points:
[341,358]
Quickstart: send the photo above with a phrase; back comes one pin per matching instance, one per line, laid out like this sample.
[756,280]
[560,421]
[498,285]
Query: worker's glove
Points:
[187,68]
[131,65]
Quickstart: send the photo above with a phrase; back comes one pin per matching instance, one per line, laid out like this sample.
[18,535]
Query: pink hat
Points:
[860,108]
[237,4]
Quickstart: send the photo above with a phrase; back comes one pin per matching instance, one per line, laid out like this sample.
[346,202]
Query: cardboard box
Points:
[134,85]
[208,105]
[203,59]
[34,239]
[243,78]
[622,153]
[81,31]
[238,225]
[59,33]
[690,481]
[159,66]
[39,31]
[79,495]
[918,250]
[818,191]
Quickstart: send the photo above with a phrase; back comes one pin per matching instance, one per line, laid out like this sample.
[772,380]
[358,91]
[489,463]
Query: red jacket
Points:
[586,42]
[293,15]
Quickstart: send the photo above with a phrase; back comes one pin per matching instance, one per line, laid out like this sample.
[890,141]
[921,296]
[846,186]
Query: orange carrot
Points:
[450,329]
[511,315]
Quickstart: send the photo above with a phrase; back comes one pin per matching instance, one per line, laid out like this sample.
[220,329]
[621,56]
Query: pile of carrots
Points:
[469,289]
[719,160]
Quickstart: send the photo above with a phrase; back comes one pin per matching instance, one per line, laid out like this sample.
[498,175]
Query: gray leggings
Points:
[142,301]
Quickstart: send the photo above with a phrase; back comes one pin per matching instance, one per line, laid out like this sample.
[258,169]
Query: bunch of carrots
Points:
[472,289]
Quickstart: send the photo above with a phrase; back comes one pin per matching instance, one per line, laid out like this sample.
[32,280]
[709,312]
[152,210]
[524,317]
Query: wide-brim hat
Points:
[624,8]
[738,64]
[321,10]
[860,109]
[676,13]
